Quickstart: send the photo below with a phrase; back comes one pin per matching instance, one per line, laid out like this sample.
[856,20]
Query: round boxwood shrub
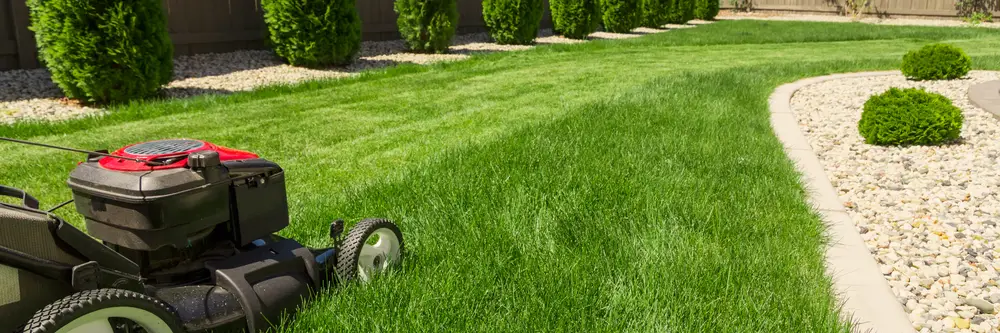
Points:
[655,13]
[910,117]
[104,51]
[936,62]
[575,18]
[706,9]
[621,15]
[427,25]
[513,21]
[314,32]
[680,11]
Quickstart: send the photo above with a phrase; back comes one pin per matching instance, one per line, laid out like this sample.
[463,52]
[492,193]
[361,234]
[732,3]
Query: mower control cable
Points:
[153,163]
[59,206]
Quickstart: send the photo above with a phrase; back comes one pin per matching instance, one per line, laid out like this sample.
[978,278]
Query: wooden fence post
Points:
[27,51]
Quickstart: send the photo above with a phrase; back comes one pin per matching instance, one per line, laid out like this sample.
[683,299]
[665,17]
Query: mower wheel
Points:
[105,311]
[371,247]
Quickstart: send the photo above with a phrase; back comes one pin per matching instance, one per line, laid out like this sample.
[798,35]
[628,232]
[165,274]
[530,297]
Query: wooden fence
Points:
[203,26]
[890,8]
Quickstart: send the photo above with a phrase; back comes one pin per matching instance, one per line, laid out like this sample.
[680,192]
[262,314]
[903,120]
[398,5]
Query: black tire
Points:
[64,311]
[349,250]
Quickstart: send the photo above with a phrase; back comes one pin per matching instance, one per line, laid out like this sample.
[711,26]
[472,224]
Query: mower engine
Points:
[201,202]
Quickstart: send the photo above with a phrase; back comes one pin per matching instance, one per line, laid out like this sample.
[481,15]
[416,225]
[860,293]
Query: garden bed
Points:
[927,213]
[31,95]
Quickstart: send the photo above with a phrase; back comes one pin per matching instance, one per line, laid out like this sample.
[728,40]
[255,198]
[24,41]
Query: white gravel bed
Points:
[843,19]
[31,94]
[928,214]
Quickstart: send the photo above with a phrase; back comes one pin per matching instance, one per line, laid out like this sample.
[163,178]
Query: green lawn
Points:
[612,186]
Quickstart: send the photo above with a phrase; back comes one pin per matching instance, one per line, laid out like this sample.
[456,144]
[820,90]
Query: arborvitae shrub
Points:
[688,10]
[104,51]
[314,32]
[513,21]
[680,11]
[427,25]
[575,18]
[655,13]
[621,15]
[910,117]
[936,62]
[706,9]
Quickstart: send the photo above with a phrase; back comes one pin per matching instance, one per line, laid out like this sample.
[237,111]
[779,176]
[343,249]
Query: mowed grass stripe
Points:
[624,216]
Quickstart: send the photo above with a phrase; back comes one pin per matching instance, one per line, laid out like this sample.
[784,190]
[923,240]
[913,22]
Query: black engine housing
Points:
[169,218]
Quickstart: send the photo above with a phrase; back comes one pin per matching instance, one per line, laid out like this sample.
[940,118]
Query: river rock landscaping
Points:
[927,213]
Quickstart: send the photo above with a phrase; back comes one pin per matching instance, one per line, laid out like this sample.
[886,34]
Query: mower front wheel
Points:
[105,311]
[371,247]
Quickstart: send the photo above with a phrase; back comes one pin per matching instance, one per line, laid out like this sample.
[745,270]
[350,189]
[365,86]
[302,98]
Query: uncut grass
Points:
[565,188]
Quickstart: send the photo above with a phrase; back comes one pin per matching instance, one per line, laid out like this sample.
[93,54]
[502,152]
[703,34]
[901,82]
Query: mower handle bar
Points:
[26,199]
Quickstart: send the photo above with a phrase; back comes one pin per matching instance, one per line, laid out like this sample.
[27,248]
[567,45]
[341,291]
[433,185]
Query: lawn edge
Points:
[864,293]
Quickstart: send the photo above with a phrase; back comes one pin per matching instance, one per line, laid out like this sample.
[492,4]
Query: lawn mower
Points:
[182,239]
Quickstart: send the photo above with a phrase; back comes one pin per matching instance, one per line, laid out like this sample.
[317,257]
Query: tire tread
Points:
[350,248]
[52,316]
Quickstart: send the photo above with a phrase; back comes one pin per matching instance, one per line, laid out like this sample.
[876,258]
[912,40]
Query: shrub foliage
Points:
[680,11]
[910,117]
[706,9]
[314,32]
[575,18]
[621,15]
[655,13]
[936,62]
[104,51]
[688,13]
[427,25]
[513,21]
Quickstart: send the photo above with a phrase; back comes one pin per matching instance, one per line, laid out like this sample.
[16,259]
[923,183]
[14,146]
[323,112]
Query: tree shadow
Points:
[839,7]
[216,64]
[361,65]
[184,92]
[26,84]
[486,48]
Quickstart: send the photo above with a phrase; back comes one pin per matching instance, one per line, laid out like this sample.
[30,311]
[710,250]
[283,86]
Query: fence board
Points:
[27,55]
[8,43]
[6,25]
[935,8]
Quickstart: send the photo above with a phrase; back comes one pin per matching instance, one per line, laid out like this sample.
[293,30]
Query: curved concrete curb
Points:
[867,299]
[986,96]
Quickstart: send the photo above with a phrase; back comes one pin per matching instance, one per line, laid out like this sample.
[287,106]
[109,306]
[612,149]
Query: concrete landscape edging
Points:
[986,96]
[863,292]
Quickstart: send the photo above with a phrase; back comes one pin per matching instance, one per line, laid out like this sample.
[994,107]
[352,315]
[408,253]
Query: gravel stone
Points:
[982,305]
[927,209]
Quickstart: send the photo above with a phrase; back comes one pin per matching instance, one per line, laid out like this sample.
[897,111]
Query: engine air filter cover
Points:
[164,147]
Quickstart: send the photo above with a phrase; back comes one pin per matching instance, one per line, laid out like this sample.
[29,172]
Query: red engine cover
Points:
[173,150]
